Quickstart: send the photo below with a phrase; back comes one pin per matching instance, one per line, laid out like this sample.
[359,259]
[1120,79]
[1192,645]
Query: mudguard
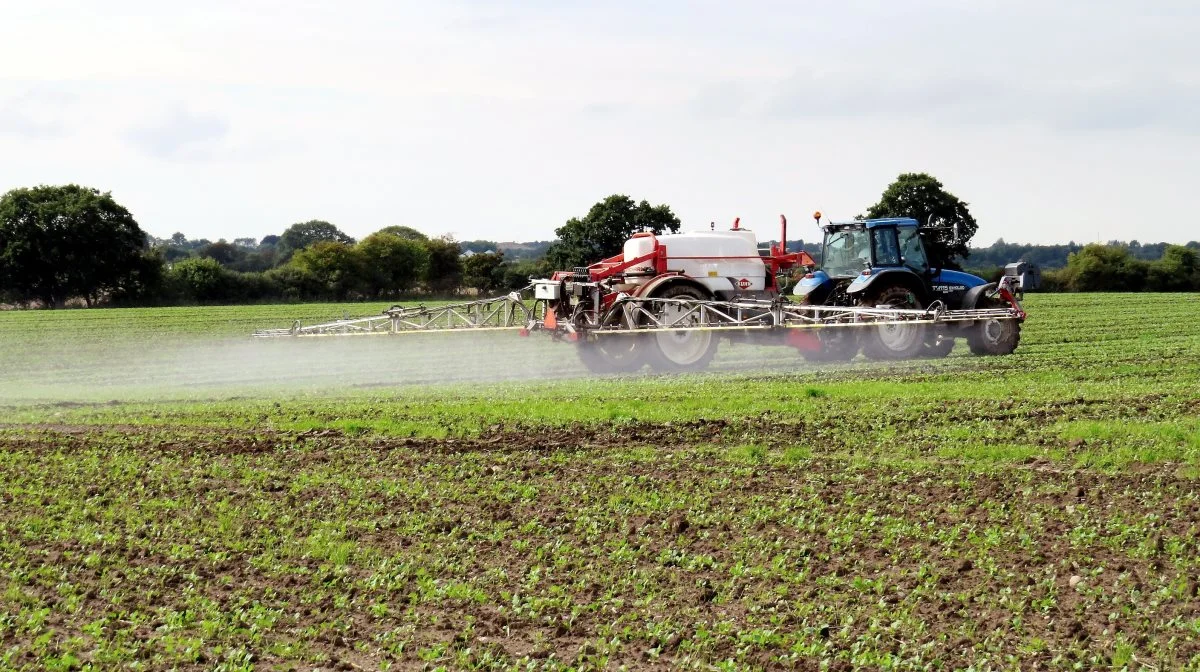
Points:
[974,294]
[813,289]
[659,284]
[881,277]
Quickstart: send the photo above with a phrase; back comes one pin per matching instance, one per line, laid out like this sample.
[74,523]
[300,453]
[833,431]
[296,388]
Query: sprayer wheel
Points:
[615,353]
[675,351]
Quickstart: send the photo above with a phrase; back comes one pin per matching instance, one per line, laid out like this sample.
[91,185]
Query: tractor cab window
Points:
[887,251]
[846,252]
[912,251]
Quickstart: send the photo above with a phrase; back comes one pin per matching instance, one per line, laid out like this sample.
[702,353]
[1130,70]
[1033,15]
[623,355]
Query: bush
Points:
[198,279]
[339,269]
[1177,271]
[517,275]
[292,283]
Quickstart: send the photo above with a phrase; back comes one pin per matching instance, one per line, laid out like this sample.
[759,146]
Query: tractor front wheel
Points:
[894,340]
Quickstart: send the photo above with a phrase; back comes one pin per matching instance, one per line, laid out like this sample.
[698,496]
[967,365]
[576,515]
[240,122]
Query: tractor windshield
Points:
[846,252]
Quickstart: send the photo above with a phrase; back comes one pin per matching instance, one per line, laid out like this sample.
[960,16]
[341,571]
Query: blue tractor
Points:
[883,263]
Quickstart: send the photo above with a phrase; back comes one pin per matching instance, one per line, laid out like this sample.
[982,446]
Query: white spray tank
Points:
[724,261]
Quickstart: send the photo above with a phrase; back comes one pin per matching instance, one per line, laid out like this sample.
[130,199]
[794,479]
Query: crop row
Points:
[214,549]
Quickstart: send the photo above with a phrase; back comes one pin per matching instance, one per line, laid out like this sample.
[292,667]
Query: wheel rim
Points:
[899,337]
[993,331]
[682,348]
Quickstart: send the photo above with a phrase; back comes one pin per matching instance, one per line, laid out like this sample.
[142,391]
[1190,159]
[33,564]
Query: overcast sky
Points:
[1056,121]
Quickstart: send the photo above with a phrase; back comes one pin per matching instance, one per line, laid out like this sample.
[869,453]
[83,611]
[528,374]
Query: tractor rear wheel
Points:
[894,341]
[682,350]
[993,337]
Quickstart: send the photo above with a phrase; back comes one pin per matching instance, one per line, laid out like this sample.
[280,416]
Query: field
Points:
[174,495]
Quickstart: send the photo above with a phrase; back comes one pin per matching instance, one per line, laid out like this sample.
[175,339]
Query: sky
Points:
[500,120]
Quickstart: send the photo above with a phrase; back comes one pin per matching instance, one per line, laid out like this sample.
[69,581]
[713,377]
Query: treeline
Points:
[315,260]
[1000,253]
[65,243]
[59,244]
[1110,267]
[383,265]
[1114,268]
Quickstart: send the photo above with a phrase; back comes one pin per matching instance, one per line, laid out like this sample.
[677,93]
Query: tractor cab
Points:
[855,253]
[852,247]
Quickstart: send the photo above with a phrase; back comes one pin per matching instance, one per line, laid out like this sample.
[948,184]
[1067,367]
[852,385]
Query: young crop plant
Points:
[1033,511]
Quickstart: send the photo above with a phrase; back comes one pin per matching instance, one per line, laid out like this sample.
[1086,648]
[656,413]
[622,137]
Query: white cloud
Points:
[501,119]
[34,112]
[180,134]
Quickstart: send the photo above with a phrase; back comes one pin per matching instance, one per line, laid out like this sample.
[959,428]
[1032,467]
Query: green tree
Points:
[392,264]
[224,253]
[602,232]
[300,236]
[338,268]
[58,242]
[484,271]
[922,197]
[443,273]
[145,283]
[405,232]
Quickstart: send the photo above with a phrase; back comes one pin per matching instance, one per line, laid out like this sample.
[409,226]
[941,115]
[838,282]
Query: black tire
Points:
[936,348]
[894,341]
[993,337]
[678,351]
[615,353]
[838,344]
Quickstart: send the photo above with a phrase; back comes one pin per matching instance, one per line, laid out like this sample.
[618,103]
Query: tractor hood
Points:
[810,282]
[953,278]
